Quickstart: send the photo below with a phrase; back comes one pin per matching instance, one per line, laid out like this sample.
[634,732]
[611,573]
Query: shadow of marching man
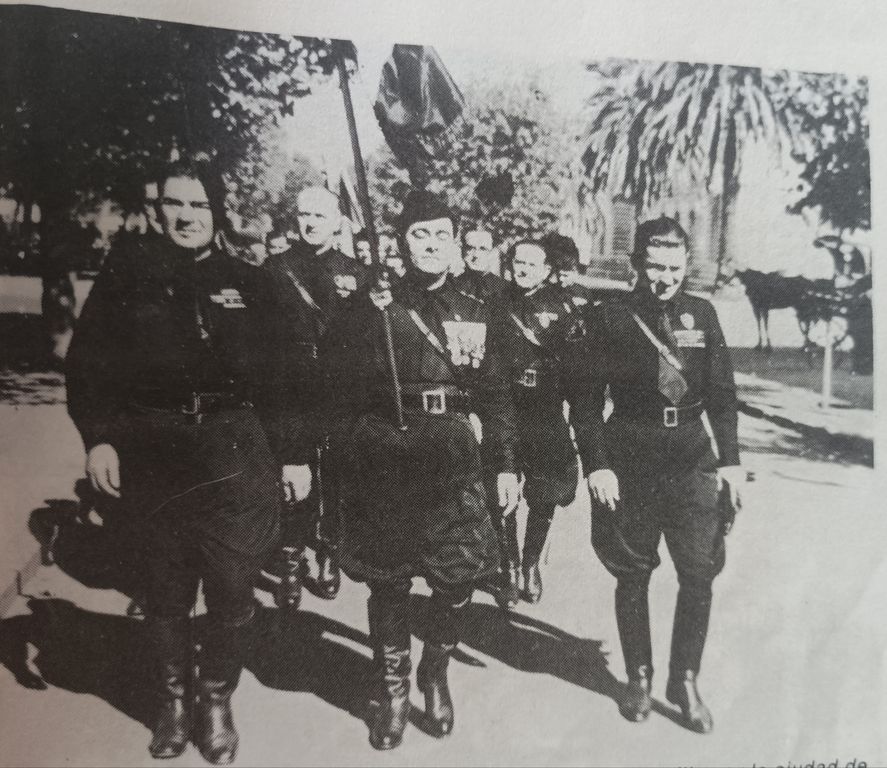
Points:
[79,651]
[94,540]
[529,645]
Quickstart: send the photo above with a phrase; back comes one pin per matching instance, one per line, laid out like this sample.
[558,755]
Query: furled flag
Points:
[418,103]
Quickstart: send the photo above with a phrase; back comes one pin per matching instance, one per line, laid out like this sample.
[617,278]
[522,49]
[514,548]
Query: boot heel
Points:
[431,679]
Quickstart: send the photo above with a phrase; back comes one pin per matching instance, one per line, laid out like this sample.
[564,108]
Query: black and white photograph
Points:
[373,396]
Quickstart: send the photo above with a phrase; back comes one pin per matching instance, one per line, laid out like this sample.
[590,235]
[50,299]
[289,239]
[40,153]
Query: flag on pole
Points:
[418,103]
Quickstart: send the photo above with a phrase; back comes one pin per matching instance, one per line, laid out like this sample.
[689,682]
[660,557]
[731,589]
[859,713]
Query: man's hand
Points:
[508,490]
[603,485]
[296,481]
[734,477]
[380,294]
[103,469]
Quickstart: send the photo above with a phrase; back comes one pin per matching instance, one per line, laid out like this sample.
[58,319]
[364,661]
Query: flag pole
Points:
[363,196]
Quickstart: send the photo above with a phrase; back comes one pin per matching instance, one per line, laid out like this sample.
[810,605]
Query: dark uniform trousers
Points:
[208,497]
[667,486]
[422,511]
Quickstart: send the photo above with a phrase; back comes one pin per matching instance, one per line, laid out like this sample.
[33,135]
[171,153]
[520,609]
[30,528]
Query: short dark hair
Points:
[562,251]
[663,229]
[200,168]
[422,205]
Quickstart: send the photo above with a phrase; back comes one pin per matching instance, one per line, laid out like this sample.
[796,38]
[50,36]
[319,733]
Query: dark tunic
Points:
[415,502]
[666,473]
[157,327]
[484,286]
[544,327]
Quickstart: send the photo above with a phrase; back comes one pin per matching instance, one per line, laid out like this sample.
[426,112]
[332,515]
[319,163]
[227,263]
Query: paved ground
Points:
[794,669]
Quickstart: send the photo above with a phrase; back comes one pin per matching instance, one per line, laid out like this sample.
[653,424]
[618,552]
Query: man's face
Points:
[278,244]
[478,252]
[185,213]
[664,269]
[529,266]
[430,245]
[319,217]
[362,251]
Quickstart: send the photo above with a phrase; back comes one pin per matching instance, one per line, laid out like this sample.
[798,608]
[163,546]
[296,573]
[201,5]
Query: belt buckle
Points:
[529,377]
[670,416]
[434,401]
[194,413]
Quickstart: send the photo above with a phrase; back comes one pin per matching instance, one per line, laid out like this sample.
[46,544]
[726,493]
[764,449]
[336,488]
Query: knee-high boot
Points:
[390,635]
[690,629]
[633,621]
[447,609]
[170,642]
[508,588]
[224,651]
[538,524]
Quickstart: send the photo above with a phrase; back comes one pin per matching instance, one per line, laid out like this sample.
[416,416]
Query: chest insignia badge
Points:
[229,298]
[345,282]
[466,342]
[688,321]
[546,318]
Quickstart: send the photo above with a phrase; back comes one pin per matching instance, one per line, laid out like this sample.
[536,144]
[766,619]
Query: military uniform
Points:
[174,363]
[544,326]
[415,502]
[313,290]
[484,286]
[663,457]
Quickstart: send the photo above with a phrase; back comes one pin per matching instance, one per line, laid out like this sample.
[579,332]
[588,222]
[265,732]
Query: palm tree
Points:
[661,127]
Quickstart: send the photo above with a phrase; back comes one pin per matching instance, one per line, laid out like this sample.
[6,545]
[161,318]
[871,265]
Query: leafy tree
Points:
[657,127]
[827,115]
[506,130]
[88,102]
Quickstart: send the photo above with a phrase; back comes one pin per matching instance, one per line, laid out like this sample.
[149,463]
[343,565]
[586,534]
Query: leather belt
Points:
[535,377]
[669,416]
[436,400]
[195,405]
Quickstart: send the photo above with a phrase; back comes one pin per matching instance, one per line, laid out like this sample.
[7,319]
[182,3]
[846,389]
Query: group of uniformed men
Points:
[228,403]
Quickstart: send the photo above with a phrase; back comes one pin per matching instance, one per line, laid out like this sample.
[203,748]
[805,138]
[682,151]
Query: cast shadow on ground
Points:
[534,646]
[79,651]
[99,556]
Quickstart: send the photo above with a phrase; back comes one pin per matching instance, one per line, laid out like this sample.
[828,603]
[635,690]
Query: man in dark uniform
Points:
[172,381]
[653,467]
[415,502]
[314,283]
[543,326]
[478,278]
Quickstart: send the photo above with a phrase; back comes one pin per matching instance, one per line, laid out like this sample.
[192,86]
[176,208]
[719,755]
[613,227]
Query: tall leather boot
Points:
[690,629]
[224,649]
[447,615]
[170,639]
[538,524]
[508,591]
[329,578]
[633,621]
[390,635]
[290,568]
